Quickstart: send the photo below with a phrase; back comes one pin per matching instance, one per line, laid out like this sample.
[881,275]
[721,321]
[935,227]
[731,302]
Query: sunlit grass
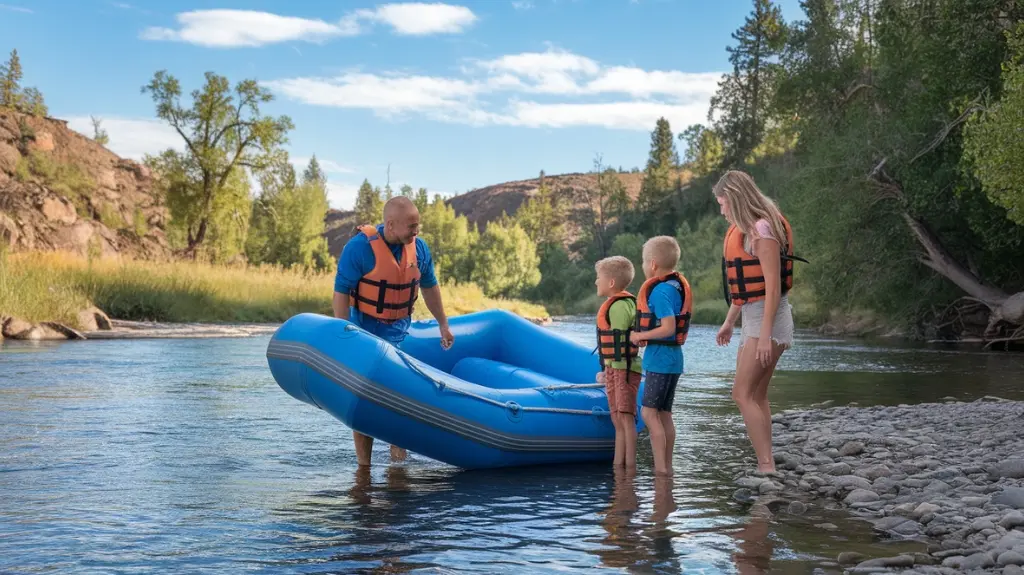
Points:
[56,286]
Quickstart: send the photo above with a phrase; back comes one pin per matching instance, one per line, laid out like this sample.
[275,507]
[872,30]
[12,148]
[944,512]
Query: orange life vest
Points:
[645,319]
[614,344]
[742,276]
[390,290]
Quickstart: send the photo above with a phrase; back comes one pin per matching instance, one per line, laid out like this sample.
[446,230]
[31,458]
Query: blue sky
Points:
[453,96]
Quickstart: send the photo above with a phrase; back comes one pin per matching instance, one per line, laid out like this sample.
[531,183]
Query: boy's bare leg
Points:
[670,437]
[620,440]
[653,422]
[628,422]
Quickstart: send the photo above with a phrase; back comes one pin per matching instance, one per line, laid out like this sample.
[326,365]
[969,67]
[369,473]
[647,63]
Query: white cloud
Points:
[226,28]
[551,72]
[233,28]
[629,115]
[342,196]
[385,95]
[16,9]
[644,83]
[488,93]
[328,166]
[132,137]
[420,18]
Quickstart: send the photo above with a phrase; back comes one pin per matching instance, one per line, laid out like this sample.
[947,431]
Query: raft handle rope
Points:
[511,405]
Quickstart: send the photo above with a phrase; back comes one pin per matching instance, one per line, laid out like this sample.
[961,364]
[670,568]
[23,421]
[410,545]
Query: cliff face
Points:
[62,191]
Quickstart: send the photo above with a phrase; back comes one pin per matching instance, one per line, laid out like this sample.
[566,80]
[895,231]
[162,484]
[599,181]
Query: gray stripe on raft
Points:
[422,412]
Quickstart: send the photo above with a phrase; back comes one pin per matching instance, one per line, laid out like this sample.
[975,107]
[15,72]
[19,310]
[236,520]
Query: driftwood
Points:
[1002,306]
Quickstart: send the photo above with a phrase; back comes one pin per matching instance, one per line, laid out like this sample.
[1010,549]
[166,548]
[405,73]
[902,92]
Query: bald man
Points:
[397,236]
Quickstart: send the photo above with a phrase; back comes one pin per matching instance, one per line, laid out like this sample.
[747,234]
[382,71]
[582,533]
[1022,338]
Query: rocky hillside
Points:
[62,191]
[484,205]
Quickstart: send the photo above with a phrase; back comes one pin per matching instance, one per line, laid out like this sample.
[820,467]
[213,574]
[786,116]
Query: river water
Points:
[184,456]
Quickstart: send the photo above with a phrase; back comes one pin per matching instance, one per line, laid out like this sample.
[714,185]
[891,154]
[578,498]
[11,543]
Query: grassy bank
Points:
[56,286]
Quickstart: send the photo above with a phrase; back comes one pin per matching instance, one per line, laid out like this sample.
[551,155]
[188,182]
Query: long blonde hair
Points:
[747,204]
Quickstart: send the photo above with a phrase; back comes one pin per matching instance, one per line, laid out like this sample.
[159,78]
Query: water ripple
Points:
[185,456]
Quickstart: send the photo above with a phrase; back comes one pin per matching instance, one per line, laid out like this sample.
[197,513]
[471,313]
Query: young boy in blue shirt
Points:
[663,309]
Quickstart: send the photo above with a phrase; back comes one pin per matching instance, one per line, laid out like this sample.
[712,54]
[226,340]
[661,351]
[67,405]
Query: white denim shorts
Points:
[752,314]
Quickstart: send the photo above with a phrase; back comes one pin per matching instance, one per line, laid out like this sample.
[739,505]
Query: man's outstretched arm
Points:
[432,297]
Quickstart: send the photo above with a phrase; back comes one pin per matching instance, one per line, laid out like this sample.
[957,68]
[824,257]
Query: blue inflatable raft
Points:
[507,393]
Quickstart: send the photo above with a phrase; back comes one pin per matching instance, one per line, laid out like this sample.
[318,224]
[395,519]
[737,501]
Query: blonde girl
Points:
[757,268]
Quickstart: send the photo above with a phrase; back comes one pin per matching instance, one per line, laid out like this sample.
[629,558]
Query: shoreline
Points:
[127,329]
[949,475]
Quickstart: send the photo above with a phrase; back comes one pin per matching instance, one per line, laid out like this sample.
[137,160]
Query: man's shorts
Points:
[621,389]
[660,390]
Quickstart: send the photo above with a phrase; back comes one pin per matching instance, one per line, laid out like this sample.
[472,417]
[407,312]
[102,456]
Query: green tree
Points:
[657,211]
[10,82]
[406,190]
[229,219]
[506,261]
[314,174]
[745,96]
[27,100]
[704,152]
[288,219]
[421,200]
[994,140]
[369,205]
[225,135]
[541,216]
[451,239]
[630,246]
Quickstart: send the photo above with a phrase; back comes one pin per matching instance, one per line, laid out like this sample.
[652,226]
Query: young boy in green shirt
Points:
[619,357]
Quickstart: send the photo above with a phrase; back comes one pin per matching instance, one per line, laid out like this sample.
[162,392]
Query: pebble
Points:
[850,557]
[838,469]
[949,474]
[1012,468]
[851,482]
[1011,497]
[1010,558]
[1012,519]
[898,561]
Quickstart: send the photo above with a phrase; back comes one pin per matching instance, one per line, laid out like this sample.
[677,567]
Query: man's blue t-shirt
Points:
[665,303]
[357,260]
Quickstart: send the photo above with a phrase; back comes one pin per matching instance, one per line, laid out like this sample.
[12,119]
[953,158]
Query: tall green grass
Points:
[56,286]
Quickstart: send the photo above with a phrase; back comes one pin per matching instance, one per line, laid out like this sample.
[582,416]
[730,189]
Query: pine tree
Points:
[744,97]
[314,174]
[541,216]
[10,82]
[659,182]
[369,205]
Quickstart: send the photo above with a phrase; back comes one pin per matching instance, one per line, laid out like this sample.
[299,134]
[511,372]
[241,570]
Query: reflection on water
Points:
[185,456]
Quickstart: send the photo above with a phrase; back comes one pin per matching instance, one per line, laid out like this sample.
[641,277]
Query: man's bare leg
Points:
[364,447]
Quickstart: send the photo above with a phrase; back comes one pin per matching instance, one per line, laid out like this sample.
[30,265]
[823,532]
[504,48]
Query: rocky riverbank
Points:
[948,474]
[99,326]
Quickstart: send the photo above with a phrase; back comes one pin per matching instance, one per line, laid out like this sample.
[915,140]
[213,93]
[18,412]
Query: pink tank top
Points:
[763,230]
